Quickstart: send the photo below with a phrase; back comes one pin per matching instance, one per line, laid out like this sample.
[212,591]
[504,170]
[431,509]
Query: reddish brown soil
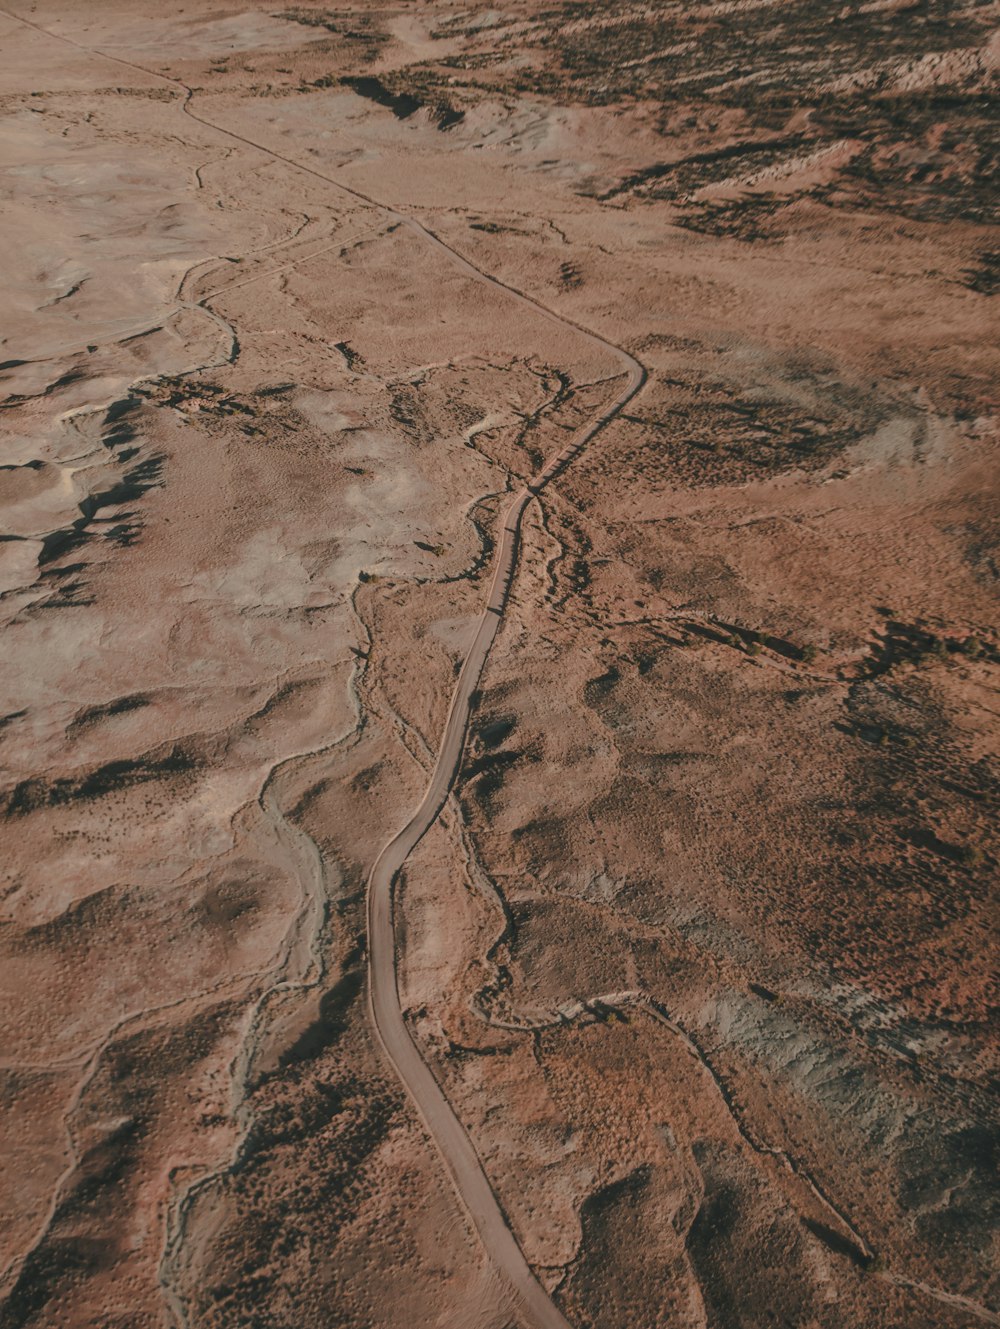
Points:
[702,948]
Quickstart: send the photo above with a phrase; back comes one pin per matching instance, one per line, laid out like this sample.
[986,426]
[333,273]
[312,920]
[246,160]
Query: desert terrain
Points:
[500,714]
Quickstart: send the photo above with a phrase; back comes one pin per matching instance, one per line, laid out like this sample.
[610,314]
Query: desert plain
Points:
[500,707]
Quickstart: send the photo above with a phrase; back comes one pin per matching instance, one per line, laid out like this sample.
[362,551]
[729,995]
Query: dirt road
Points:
[439,1117]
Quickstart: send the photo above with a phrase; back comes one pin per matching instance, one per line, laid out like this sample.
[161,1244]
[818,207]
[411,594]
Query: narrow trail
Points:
[439,1117]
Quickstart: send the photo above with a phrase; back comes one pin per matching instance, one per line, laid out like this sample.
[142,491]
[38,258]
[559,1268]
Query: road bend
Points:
[439,1117]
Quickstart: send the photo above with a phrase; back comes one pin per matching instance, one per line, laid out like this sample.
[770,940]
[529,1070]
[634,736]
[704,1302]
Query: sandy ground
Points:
[701,950]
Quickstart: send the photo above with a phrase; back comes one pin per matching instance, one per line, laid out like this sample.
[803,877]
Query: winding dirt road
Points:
[439,1117]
